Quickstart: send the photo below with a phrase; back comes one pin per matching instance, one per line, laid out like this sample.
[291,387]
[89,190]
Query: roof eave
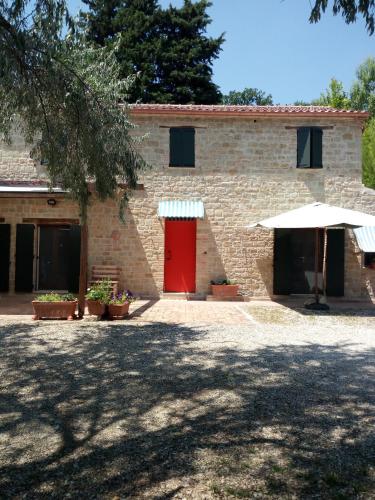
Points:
[363,116]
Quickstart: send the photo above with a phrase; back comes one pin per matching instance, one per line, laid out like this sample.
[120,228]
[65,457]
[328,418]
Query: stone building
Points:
[215,170]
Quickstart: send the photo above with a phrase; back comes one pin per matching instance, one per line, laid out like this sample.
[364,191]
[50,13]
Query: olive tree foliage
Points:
[349,9]
[248,97]
[334,96]
[363,90]
[64,97]
[362,96]
[368,154]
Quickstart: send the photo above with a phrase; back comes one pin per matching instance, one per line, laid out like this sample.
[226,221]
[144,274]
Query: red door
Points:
[179,256]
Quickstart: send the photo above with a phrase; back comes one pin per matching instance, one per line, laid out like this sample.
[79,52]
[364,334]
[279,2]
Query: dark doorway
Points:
[4,257]
[303,260]
[58,263]
[24,279]
[294,261]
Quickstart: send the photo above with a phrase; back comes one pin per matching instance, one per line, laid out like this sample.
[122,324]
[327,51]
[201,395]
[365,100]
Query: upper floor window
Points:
[182,147]
[309,147]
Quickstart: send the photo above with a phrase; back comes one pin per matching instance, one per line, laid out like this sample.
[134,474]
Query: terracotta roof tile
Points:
[228,110]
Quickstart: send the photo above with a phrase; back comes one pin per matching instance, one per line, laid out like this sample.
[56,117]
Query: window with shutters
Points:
[309,147]
[182,147]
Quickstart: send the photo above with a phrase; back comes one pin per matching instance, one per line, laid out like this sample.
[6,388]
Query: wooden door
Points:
[4,257]
[282,262]
[24,281]
[180,255]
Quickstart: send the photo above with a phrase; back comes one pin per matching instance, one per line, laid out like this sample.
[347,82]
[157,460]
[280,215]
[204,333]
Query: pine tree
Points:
[168,49]
[185,56]
[130,26]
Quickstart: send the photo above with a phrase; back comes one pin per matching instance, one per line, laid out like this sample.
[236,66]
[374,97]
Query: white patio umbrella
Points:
[318,216]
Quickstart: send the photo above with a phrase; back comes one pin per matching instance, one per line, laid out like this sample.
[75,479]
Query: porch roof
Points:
[182,209]
[365,238]
[29,189]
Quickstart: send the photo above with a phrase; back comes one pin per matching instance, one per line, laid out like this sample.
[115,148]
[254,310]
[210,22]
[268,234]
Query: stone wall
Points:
[15,161]
[245,171]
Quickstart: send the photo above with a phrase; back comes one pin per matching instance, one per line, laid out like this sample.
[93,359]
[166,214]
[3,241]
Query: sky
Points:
[270,45]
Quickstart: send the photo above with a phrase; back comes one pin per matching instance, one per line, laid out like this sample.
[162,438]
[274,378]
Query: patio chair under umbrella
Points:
[318,216]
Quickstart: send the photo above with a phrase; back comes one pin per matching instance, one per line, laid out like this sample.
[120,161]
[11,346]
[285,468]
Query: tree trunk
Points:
[83,270]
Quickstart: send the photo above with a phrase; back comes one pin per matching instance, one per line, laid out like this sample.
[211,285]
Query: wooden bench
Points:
[110,273]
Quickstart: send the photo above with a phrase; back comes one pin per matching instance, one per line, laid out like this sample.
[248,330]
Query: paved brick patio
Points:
[181,311]
[18,307]
[166,311]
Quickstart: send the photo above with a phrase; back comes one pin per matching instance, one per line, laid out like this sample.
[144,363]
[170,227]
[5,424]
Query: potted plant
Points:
[55,306]
[98,296]
[224,288]
[118,306]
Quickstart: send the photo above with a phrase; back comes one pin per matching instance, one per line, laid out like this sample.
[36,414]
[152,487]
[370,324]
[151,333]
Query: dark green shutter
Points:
[182,147]
[303,147]
[316,147]
[282,262]
[24,258]
[74,258]
[335,262]
[4,257]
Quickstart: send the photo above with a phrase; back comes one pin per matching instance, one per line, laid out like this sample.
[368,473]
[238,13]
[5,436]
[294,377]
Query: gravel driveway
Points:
[272,408]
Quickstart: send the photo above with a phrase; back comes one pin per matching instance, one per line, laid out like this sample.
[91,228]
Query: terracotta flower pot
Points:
[224,290]
[118,310]
[96,308]
[54,310]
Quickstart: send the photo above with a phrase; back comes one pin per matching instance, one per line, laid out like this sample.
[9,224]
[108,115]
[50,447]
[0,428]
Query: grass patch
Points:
[332,479]
[216,490]
[239,492]
[273,315]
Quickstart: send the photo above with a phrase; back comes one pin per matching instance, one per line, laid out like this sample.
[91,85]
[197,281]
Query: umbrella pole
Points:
[316,264]
[316,305]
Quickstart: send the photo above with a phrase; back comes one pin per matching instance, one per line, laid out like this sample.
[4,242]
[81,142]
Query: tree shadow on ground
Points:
[103,410]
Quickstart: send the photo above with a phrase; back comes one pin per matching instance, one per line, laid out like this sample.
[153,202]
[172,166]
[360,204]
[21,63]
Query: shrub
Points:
[56,297]
[100,291]
[222,281]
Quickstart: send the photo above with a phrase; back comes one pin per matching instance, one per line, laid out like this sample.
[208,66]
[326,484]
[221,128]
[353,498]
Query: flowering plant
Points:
[122,298]
[100,291]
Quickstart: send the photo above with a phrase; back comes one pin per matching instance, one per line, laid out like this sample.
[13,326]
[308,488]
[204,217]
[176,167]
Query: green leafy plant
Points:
[222,281]
[100,291]
[56,297]
[248,97]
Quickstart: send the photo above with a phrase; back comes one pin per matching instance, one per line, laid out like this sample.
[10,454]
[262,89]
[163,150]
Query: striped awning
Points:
[365,238]
[182,209]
